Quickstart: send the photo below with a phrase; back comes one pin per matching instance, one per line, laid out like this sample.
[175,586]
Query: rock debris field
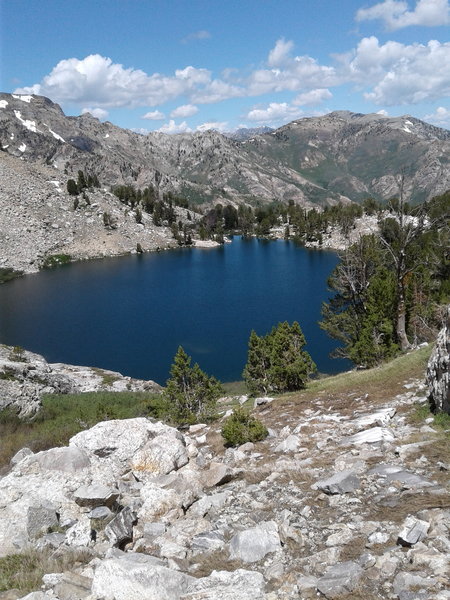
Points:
[344,499]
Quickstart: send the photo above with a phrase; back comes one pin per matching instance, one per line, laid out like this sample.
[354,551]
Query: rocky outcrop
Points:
[26,376]
[438,372]
[333,514]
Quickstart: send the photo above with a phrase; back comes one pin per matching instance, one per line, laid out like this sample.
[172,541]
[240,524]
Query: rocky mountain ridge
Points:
[344,499]
[342,156]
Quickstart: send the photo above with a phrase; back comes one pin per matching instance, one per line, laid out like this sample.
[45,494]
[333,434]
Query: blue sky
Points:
[179,65]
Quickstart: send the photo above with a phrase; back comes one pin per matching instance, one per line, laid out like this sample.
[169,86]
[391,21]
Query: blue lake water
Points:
[131,313]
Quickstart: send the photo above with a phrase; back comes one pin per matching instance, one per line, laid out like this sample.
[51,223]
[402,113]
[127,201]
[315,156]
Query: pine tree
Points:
[72,187]
[190,393]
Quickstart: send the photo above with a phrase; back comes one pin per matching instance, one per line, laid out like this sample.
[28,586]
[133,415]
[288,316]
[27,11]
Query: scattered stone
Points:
[370,436]
[340,579]
[340,483]
[253,544]
[226,585]
[413,531]
[289,444]
[120,529]
[217,474]
[95,494]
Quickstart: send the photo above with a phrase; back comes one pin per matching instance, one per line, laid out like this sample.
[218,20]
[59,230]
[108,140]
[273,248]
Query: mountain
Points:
[341,156]
[246,133]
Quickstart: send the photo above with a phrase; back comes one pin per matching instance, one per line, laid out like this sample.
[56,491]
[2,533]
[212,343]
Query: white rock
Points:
[253,544]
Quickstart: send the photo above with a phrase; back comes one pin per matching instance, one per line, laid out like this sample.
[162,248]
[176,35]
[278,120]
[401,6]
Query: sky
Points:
[191,65]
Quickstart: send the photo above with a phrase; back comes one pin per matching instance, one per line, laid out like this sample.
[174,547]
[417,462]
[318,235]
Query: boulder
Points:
[165,453]
[138,577]
[253,544]
[341,482]
[226,585]
[340,579]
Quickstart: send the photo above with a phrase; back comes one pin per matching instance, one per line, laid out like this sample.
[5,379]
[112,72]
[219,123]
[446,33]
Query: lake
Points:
[131,313]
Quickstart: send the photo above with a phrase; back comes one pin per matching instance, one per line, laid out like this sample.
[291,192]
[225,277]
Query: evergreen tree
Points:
[277,362]
[81,181]
[190,393]
[72,187]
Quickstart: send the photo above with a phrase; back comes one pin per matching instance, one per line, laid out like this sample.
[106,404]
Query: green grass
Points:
[382,382]
[55,260]
[6,274]
[63,416]
[24,571]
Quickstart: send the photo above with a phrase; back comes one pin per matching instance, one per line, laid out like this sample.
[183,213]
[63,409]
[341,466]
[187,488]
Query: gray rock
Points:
[165,453]
[340,579]
[207,542]
[153,530]
[95,494]
[289,444]
[253,544]
[341,482]
[226,585]
[73,587]
[68,459]
[138,577]
[370,436]
[101,513]
[413,531]
[40,519]
[217,474]
[409,586]
[20,455]
[120,529]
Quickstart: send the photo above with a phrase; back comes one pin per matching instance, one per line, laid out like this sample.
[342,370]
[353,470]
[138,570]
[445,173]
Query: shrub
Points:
[242,427]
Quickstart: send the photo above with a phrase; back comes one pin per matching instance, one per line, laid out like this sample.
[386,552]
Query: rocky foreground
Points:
[346,498]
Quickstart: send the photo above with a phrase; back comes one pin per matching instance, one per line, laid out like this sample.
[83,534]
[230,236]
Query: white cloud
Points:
[395,13]
[155,115]
[398,73]
[217,125]
[441,117]
[290,73]
[313,97]
[100,113]
[274,113]
[172,127]
[216,91]
[280,53]
[97,80]
[382,112]
[184,111]
[196,35]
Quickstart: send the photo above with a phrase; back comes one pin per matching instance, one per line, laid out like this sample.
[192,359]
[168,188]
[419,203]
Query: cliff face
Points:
[438,372]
